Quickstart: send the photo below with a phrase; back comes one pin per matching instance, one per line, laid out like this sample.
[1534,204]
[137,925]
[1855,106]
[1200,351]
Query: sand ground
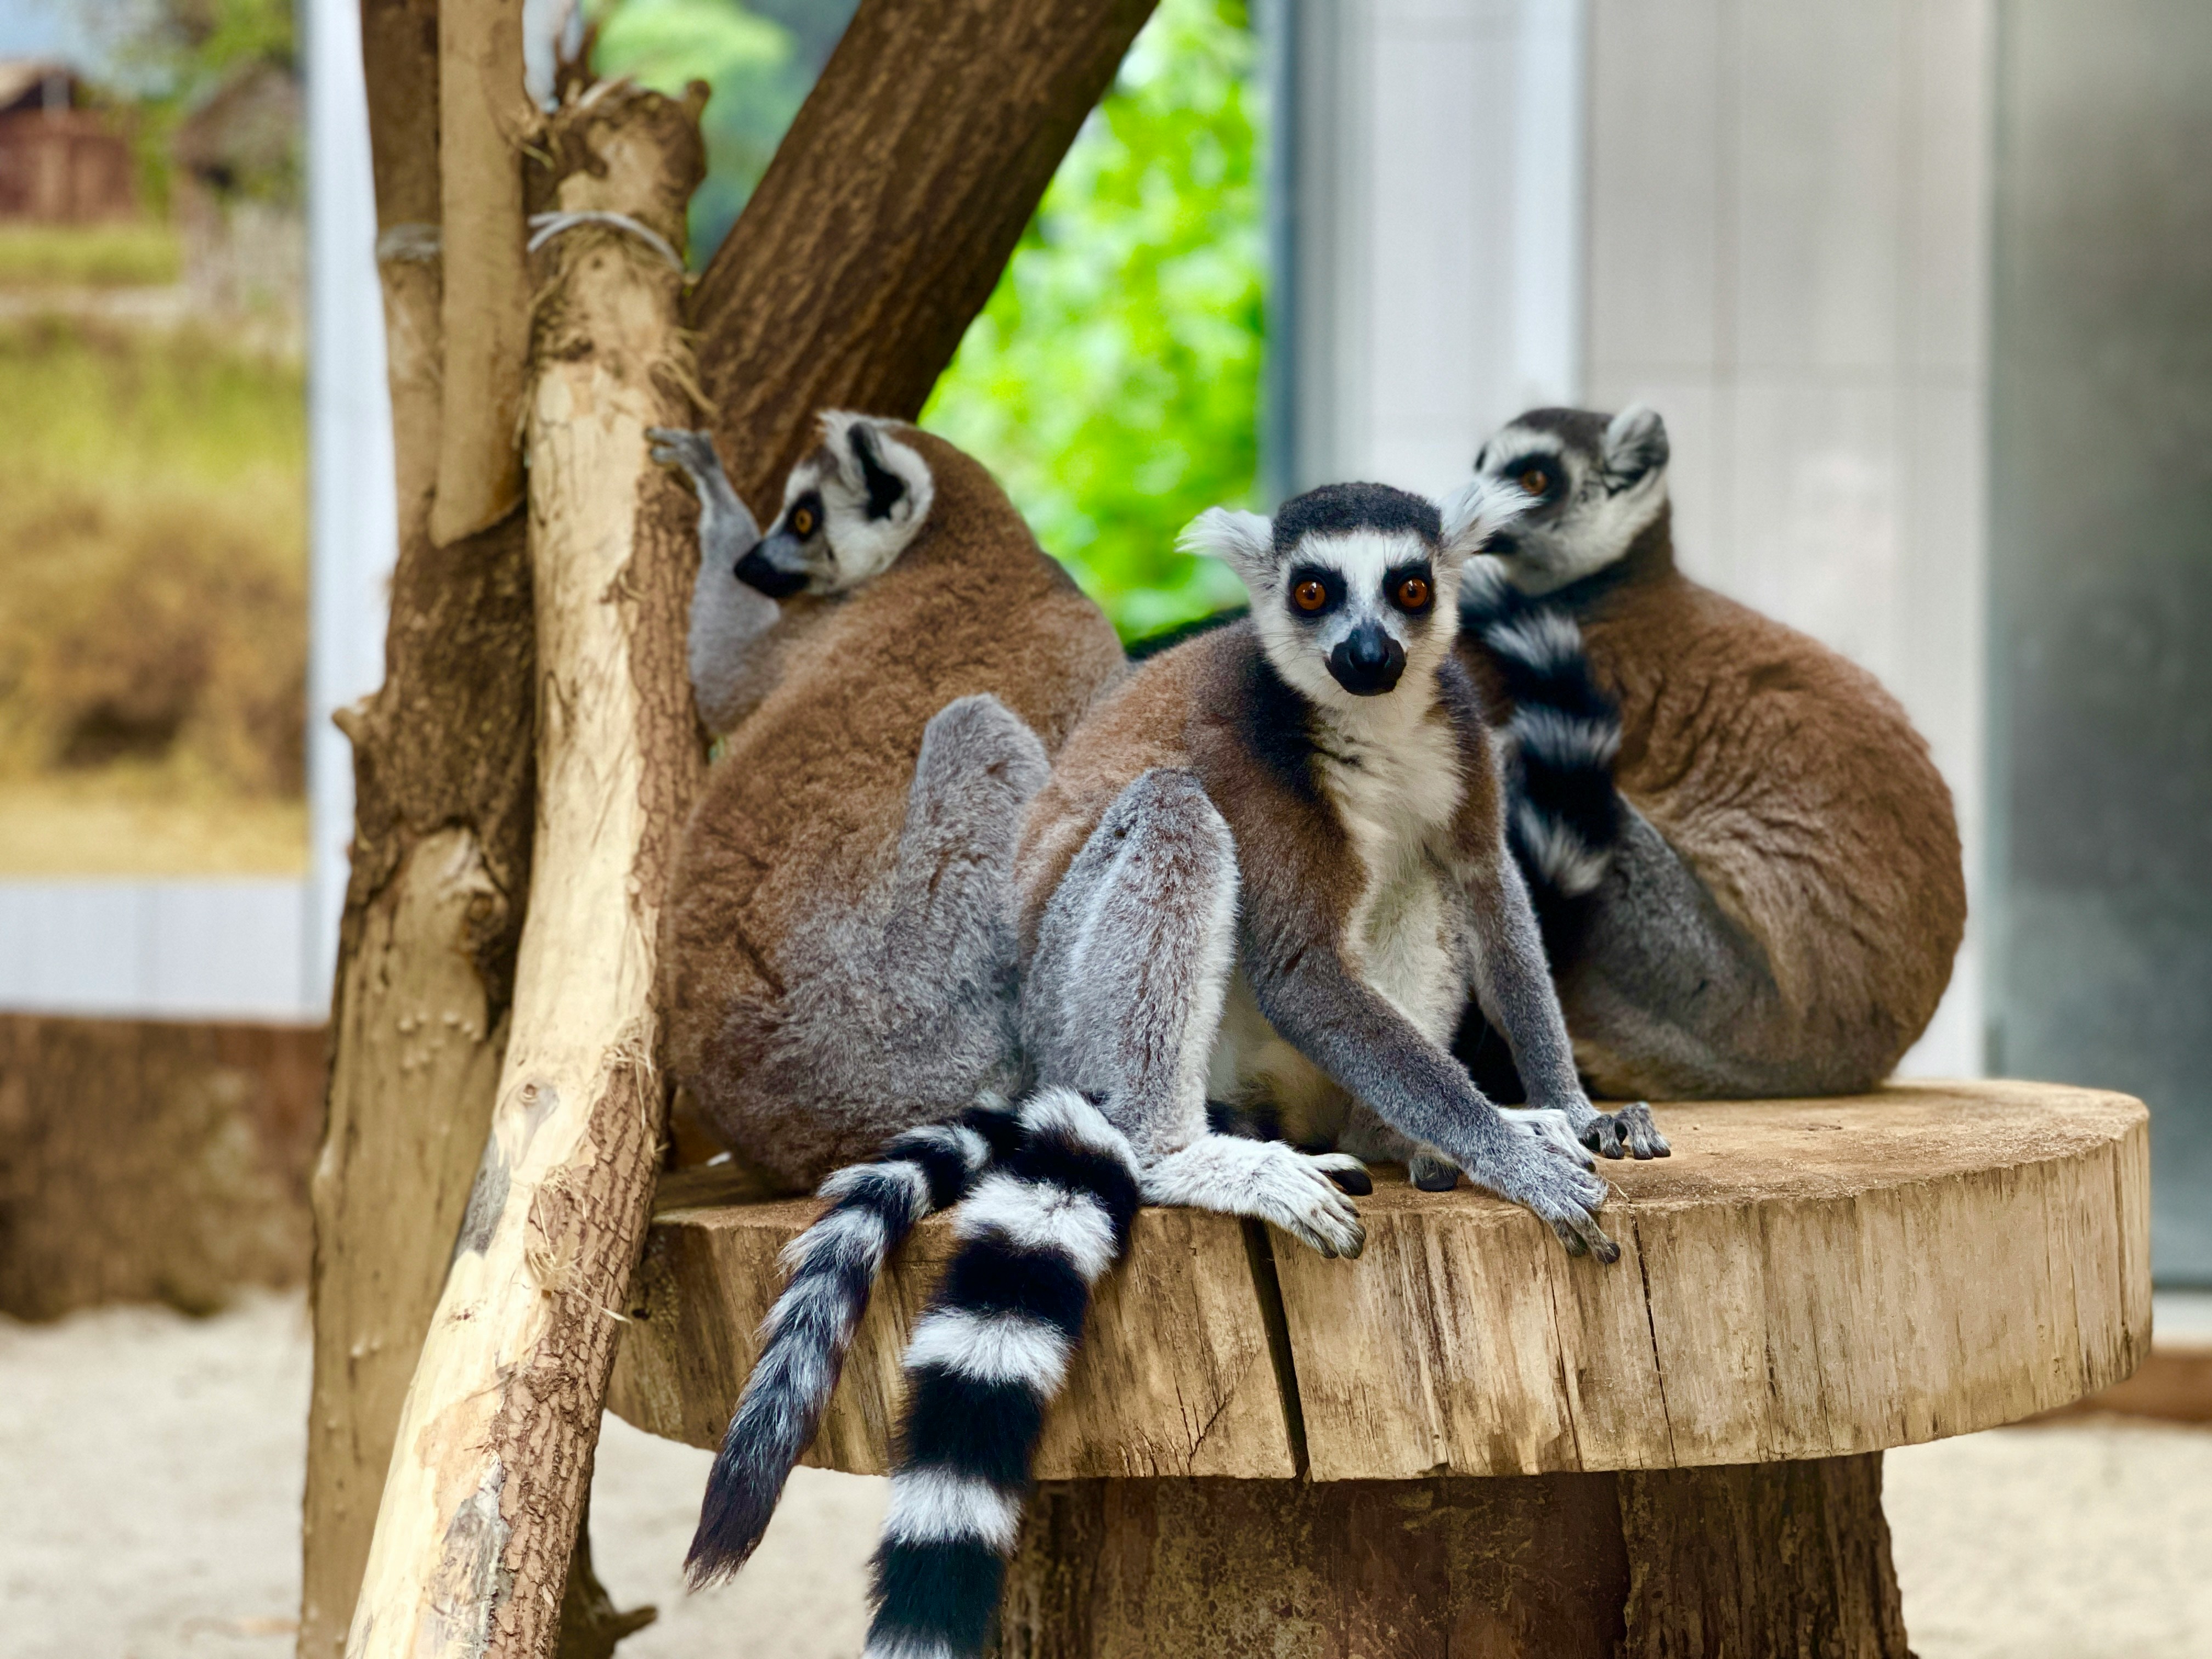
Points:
[150,1466]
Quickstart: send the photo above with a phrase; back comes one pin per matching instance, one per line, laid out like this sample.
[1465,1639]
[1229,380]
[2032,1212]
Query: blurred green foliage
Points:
[133,253]
[1112,381]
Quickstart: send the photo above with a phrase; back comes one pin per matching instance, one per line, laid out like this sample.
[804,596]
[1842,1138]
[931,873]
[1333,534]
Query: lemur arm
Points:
[1513,985]
[1372,1050]
[734,653]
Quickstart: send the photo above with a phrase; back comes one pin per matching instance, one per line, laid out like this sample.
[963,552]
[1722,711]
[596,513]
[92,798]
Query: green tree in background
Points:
[1113,382]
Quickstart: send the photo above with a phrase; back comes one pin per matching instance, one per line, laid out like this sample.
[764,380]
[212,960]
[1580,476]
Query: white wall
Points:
[1771,220]
[1788,244]
[1437,225]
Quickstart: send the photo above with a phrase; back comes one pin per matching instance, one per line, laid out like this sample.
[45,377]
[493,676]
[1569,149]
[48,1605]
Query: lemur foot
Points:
[1431,1173]
[1628,1131]
[1349,1174]
[1534,1175]
[694,451]
[1268,1181]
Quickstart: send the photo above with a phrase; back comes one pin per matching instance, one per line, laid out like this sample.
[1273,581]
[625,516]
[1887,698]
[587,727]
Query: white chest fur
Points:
[1396,789]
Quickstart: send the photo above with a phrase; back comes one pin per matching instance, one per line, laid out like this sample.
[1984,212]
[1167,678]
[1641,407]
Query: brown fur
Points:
[1797,789]
[805,806]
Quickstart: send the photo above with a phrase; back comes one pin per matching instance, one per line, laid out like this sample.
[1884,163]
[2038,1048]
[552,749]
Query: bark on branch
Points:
[889,212]
[494,1451]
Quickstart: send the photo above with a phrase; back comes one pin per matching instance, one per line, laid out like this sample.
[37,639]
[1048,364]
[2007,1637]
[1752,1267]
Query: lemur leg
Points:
[1668,976]
[1123,998]
[978,766]
[1513,984]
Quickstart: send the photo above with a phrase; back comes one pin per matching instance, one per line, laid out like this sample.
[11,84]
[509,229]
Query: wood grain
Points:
[1177,1375]
[1803,1279]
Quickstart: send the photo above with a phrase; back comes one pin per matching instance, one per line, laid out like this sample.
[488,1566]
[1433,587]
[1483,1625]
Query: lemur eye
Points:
[1536,481]
[1413,593]
[1309,596]
[802,522]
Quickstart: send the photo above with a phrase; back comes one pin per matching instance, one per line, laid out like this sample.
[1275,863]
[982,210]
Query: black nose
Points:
[1367,662]
[757,570]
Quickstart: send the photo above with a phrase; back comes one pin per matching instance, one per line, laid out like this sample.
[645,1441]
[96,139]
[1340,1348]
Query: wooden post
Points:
[493,1452]
[442,801]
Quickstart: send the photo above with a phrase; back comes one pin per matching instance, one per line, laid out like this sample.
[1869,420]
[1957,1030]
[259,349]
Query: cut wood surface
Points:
[1801,1279]
[493,1450]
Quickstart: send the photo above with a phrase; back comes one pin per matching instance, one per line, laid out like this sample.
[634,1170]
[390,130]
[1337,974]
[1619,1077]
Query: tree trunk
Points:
[1764,1561]
[884,220]
[443,803]
[494,1454]
[1784,1561]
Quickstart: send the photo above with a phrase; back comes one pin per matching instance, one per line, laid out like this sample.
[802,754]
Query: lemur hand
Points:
[692,451]
[1526,1166]
[1269,1182]
[1630,1131]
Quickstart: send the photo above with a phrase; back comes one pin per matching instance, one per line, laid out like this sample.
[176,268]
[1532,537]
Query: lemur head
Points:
[1355,586]
[850,508]
[1594,484]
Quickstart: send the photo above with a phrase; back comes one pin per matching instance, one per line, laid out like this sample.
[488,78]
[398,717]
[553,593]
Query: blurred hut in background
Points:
[62,161]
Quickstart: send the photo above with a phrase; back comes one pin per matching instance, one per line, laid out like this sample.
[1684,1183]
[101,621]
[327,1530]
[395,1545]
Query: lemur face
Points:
[1596,485]
[1355,586]
[849,510]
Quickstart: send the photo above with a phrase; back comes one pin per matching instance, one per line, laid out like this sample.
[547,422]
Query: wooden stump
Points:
[1769,1561]
[1464,1441]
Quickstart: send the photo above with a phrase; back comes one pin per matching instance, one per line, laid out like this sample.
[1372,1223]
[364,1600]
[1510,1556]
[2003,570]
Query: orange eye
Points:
[1536,481]
[1309,596]
[802,523]
[1413,593]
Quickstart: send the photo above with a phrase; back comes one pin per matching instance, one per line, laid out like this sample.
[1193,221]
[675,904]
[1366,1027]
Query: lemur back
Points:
[814,1013]
[1773,905]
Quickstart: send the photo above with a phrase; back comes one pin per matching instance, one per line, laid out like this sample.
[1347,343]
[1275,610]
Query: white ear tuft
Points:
[1245,542]
[1475,512]
[1635,446]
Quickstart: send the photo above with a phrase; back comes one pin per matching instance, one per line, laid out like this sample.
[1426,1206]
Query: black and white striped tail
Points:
[831,1268]
[987,1358]
[1565,817]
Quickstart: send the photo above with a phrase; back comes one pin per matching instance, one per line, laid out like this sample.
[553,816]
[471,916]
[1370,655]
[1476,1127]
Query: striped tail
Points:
[1566,817]
[832,1267]
[988,1357]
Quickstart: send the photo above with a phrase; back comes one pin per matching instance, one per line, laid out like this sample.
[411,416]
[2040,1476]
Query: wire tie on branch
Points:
[420,242]
[544,227]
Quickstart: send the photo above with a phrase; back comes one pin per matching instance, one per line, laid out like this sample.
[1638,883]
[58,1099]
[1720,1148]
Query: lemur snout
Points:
[756,569]
[1367,661]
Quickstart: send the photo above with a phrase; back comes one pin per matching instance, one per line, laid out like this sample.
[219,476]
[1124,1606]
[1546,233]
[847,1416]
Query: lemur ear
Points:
[885,486]
[1635,447]
[1245,542]
[1475,512]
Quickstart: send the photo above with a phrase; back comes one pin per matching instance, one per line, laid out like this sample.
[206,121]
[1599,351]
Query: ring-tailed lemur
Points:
[891,665]
[1745,860]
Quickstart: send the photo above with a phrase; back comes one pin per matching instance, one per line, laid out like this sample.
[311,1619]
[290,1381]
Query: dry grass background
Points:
[153,601]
